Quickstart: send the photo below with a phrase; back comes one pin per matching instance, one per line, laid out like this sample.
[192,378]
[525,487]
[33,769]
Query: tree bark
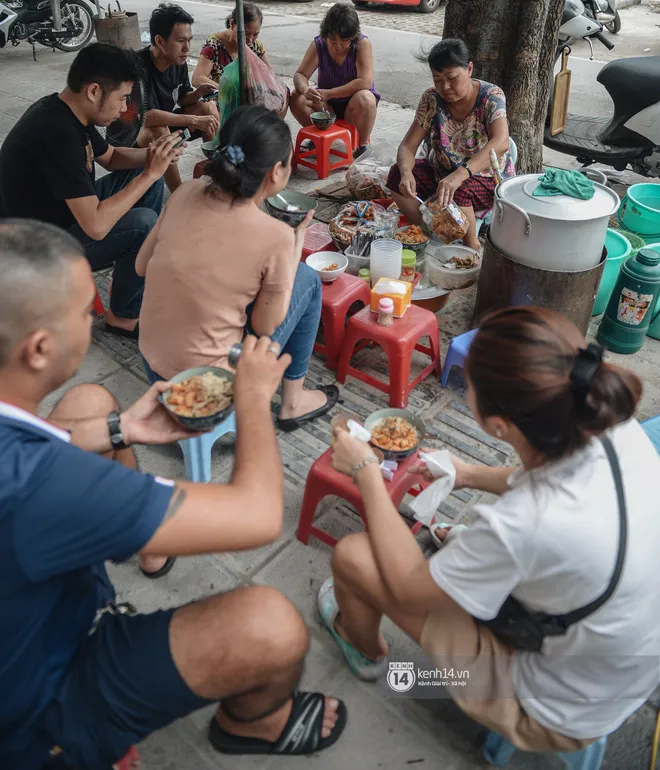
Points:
[513,45]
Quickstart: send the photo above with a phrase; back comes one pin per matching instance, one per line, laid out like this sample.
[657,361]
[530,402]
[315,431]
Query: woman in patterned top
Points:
[464,119]
[222,47]
[344,60]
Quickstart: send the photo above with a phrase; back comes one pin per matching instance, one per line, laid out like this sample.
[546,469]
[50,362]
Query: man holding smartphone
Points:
[47,172]
[173,103]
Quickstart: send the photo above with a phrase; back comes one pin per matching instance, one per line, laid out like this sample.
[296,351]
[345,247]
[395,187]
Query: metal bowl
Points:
[199,423]
[416,422]
[322,120]
[277,208]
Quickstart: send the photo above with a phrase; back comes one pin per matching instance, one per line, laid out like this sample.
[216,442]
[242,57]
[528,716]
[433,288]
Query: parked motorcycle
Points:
[606,12]
[32,20]
[629,137]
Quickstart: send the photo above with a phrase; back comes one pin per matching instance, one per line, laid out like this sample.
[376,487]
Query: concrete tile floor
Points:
[383,732]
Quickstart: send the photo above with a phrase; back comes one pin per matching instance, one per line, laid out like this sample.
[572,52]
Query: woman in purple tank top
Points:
[344,60]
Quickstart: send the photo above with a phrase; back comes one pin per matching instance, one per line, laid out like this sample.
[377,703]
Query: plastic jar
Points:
[365,275]
[408,265]
[386,311]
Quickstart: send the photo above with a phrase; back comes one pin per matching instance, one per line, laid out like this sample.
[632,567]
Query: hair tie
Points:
[234,154]
[585,367]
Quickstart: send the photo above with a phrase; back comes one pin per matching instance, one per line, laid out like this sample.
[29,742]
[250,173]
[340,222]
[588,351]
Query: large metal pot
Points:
[551,233]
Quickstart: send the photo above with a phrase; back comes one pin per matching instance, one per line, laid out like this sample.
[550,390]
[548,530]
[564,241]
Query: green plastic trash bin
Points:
[619,249]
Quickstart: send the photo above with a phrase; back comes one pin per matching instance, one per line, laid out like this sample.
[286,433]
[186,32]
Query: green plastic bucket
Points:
[654,328]
[618,250]
[640,209]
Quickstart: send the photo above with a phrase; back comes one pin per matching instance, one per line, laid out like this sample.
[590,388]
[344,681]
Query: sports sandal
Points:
[332,394]
[364,668]
[301,734]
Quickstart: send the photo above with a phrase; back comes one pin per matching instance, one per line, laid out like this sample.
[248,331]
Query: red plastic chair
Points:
[322,150]
[337,298]
[352,130]
[131,761]
[99,309]
[199,169]
[323,480]
[398,341]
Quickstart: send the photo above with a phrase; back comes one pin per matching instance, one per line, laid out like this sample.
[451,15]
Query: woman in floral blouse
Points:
[464,119]
[222,47]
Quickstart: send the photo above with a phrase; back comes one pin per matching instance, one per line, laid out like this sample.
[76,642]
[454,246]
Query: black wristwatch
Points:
[467,168]
[114,429]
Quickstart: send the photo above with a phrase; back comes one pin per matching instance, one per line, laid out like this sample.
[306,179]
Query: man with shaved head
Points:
[81,677]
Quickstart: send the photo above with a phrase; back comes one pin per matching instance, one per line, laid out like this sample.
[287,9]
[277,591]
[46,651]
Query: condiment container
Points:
[386,311]
[400,292]
[365,275]
[408,265]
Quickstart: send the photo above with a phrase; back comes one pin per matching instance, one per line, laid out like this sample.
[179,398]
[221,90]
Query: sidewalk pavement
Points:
[382,733]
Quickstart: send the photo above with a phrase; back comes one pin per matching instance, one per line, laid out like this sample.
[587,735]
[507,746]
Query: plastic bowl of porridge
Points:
[328,264]
[200,398]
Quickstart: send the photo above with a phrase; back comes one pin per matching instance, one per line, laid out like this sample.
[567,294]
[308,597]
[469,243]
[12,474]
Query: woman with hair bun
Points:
[216,266]
[567,554]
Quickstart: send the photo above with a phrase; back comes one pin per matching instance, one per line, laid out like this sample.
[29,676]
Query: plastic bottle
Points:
[408,265]
[386,311]
[365,274]
[630,309]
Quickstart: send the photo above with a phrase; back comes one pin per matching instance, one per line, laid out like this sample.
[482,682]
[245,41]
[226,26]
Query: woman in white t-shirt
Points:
[551,540]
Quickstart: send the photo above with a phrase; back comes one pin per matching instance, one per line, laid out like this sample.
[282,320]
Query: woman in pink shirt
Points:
[216,266]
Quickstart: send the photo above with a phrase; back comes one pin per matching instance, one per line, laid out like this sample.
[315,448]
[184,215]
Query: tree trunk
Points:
[513,45]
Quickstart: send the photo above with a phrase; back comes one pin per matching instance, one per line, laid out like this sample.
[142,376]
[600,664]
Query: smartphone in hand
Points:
[185,136]
[209,97]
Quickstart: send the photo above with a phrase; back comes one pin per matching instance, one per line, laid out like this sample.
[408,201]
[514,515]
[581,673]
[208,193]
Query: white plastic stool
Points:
[498,751]
[197,451]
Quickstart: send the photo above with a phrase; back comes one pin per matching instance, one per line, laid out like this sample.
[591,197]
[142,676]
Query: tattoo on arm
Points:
[176,501]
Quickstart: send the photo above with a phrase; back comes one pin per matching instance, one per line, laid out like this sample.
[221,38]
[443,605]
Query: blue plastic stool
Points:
[498,751]
[457,353]
[197,451]
[652,429]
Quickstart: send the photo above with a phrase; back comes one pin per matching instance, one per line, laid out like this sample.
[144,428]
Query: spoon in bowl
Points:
[289,206]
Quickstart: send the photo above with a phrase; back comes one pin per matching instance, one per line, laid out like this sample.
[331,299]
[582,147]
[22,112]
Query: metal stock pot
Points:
[553,233]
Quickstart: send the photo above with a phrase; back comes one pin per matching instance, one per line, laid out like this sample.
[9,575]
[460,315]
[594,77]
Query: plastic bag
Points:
[263,87]
[366,179]
[449,223]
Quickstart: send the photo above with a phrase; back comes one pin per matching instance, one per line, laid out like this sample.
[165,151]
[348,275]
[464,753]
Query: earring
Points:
[498,433]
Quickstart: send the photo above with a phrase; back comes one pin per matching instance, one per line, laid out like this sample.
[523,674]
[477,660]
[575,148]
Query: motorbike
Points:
[64,24]
[631,135]
[606,12]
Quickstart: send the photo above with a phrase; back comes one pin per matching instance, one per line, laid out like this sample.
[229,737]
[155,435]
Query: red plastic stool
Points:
[317,238]
[131,761]
[323,480]
[337,298]
[322,150]
[352,130]
[199,169]
[99,309]
[398,341]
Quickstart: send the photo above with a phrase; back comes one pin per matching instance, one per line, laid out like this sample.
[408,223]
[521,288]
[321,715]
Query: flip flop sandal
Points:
[332,394]
[453,530]
[365,669]
[301,734]
[131,334]
[159,573]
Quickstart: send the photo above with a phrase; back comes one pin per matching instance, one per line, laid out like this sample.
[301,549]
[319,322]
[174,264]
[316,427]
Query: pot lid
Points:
[519,190]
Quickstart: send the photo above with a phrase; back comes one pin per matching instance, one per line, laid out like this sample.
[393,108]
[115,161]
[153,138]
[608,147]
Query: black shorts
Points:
[121,686]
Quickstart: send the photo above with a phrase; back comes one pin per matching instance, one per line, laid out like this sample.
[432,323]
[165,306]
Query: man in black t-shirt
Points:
[173,103]
[47,173]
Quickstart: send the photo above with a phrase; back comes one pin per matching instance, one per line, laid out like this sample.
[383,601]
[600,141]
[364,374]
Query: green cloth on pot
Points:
[557,181]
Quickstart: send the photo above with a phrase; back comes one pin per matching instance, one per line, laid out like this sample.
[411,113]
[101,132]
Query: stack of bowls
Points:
[385,259]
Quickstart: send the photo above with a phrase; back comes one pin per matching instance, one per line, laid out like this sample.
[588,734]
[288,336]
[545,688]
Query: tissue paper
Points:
[425,505]
[358,431]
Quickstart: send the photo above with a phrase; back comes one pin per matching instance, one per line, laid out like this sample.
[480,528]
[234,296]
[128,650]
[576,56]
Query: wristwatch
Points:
[114,429]
[467,168]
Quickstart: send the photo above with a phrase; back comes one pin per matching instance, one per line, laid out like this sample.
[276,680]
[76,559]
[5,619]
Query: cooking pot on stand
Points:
[552,232]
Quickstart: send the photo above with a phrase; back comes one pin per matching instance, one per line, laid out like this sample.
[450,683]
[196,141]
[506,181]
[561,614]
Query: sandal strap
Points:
[302,732]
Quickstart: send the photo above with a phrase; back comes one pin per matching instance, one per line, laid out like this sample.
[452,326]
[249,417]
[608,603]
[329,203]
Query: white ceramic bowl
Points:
[448,278]
[321,259]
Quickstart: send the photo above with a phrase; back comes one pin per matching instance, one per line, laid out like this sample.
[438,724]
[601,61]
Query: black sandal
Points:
[131,334]
[332,394]
[301,734]
[159,573]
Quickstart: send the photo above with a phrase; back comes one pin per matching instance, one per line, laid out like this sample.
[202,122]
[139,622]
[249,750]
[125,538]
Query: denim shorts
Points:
[121,686]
